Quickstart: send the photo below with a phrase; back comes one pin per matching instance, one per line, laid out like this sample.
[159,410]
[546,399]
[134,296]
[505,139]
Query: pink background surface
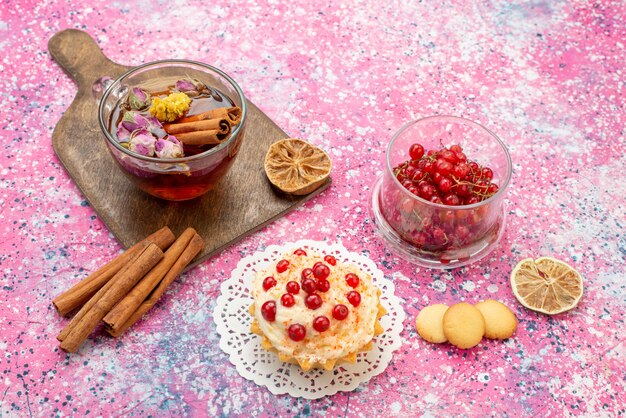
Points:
[547,77]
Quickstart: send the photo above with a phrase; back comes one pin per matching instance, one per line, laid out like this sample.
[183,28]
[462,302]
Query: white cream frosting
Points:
[343,336]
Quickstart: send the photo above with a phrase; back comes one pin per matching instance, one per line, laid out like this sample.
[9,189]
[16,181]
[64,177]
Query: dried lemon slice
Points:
[296,167]
[546,285]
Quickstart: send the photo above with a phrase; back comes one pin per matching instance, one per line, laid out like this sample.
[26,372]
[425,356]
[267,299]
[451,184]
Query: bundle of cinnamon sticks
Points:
[207,128]
[123,290]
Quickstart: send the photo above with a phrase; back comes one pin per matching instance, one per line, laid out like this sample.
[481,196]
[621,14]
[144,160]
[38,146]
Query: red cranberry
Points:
[409,172]
[313,301]
[443,167]
[481,187]
[354,298]
[268,283]
[299,251]
[309,285]
[456,148]
[321,271]
[352,280]
[296,332]
[268,310]
[487,173]
[439,236]
[323,285]
[460,170]
[330,260]
[461,232]
[445,185]
[340,312]
[474,167]
[449,156]
[451,200]
[416,151]
[282,265]
[426,191]
[463,189]
[307,273]
[420,239]
[293,287]
[287,300]
[321,324]
[444,172]
[417,175]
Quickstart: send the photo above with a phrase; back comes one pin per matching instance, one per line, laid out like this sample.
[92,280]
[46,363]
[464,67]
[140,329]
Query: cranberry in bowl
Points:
[440,201]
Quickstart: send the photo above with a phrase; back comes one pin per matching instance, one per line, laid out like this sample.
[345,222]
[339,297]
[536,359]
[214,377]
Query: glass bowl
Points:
[174,178]
[433,234]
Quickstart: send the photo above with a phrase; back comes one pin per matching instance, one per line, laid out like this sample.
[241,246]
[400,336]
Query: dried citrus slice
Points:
[546,285]
[296,167]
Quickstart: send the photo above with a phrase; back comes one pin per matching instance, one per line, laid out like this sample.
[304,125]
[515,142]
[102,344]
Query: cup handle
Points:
[99,87]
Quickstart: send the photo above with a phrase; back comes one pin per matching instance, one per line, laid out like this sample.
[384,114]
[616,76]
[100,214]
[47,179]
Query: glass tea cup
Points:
[173,178]
[432,234]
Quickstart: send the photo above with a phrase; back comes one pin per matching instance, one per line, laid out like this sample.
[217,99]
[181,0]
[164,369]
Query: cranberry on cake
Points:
[313,310]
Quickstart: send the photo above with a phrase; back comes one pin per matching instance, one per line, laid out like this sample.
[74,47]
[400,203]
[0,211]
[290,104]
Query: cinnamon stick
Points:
[217,124]
[91,302]
[193,248]
[231,114]
[82,291]
[104,301]
[211,137]
[121,312]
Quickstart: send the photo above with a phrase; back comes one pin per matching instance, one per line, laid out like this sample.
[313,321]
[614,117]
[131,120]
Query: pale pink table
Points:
[547,77]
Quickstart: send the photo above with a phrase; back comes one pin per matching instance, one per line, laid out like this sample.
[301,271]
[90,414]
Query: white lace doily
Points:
[263,367]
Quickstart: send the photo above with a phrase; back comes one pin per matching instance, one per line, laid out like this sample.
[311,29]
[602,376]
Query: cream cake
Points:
[315,311]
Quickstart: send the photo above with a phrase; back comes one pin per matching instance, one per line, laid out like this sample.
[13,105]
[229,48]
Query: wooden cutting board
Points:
[243,203]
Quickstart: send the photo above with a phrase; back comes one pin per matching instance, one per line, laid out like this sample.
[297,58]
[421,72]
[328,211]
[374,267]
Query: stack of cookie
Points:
[464,325]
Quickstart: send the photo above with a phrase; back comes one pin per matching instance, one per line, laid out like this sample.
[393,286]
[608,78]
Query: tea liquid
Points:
[186,180]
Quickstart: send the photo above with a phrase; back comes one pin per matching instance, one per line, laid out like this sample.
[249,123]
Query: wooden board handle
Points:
[81,58]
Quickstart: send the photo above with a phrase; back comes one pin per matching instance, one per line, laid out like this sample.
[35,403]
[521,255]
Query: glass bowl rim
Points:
[214,150]
[501,188]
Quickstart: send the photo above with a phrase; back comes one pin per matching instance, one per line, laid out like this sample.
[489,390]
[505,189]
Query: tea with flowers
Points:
[184,119]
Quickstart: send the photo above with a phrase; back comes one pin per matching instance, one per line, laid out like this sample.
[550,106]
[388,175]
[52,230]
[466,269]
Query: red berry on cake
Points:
[292,287]
[340,312]
[296,332]
[309,285]
[354,298]
[313,301]
[282,266]
[307,273]
[321,324]
[321,271]
[287,300]
[323,285]
[352,280]
[268,310]
[268,283]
